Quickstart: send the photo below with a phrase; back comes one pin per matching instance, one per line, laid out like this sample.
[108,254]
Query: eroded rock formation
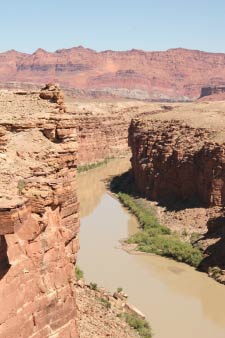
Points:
[38,215]
[172,160]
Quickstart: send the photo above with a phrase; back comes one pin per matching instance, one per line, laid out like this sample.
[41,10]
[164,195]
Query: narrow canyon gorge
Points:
[177,155]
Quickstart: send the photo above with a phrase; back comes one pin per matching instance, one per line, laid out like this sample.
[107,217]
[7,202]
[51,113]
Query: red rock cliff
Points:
[38,216]
[173,160]
[102,130]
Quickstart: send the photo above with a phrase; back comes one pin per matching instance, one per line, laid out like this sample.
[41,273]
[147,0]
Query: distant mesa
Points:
[173,75]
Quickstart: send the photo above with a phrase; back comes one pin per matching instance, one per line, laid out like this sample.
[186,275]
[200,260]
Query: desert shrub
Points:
[93,286]
[105,302]
[172,247]
[138,324]
[119,290]
[79,273]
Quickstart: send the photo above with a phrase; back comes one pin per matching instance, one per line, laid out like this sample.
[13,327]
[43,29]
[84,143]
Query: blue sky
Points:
[26,25]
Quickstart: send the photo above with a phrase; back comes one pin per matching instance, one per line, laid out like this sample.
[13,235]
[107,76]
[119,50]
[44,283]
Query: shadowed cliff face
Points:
[174,161]
[38,216]
[177,74]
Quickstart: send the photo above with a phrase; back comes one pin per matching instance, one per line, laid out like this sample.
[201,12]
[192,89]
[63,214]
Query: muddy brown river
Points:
[178,301]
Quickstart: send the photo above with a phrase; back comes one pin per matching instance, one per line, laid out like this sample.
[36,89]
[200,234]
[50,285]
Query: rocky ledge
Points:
[38,215]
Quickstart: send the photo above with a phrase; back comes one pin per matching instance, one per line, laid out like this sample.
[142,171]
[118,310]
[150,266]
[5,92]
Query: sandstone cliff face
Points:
[102,128]
[173,160]
[177,74]
[38,216]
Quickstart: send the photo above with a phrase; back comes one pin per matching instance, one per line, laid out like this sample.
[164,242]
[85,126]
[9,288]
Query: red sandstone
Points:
[177,74]
[38,216]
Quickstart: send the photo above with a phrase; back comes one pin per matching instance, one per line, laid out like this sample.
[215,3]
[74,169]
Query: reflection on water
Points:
[178,301]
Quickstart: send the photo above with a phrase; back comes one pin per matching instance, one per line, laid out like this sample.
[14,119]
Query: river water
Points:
[178,301]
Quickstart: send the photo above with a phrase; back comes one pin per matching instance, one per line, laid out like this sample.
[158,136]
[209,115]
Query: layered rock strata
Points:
[175,74]
[174,160]
[102,130]
[38,215]
[102,127]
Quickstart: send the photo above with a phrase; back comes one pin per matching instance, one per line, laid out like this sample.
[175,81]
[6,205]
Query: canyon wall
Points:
[175,74]
[101,137]
[172,160]
[102,128]
[38,216]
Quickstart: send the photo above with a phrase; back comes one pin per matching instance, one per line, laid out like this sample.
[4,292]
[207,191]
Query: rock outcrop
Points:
[172,160]
[38,215]
[175,74]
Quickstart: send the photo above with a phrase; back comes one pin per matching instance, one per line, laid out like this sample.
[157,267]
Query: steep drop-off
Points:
[172,160]
[38,216]
[175,74]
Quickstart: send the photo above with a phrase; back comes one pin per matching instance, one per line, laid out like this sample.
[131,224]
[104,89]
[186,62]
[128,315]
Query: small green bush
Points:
[79,273]
[93,286]
[105,302]
[119,290]
[138,324]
